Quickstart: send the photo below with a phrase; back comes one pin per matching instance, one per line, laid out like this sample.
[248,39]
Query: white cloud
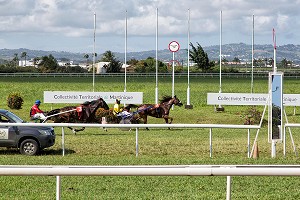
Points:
[73,20]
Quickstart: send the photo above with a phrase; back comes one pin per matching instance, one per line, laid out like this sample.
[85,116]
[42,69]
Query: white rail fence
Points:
[138,126]
[163,170]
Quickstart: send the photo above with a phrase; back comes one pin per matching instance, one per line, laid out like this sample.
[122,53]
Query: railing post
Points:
[248,143]
[228,190]
[63,141]
[58,189]
[136,142]
[210,142]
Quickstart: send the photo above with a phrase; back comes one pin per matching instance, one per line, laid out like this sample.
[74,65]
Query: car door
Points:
[7,133]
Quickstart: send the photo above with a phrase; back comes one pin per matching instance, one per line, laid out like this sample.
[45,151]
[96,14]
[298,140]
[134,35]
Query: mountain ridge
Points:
[229,51]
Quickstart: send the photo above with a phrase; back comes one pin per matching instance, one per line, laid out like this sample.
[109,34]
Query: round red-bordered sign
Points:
[174,46]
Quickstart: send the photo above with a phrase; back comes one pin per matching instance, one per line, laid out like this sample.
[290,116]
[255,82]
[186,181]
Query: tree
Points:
[16,59]
[86,56]
[24,55]
[198,55]
[48,64]
[114,65]
[236,60]
[149,65]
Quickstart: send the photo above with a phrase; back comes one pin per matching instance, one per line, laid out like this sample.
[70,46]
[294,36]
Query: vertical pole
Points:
[94,49]
[173,77]
[210,142]
[136,142]
[252,53]
[58,187]
[63,140]
[274,42]
[156,58]
[273,147]
[248,143]
[125,56]
[228,191]
[188,61]
[220,88]
[284,140]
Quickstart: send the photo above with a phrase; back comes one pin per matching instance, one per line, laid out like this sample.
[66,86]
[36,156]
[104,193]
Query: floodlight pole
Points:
[94,51]
[252,53]
[220,89]
[125,54]
[188,65]
[156,58]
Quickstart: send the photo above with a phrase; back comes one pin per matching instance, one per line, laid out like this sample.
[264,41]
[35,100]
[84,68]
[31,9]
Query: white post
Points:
[136,142]
[252,53]
[220,89]
[248,143]
[188,62]
[58,187]
[94,49]
[273,147]
[63,140]
[156,58]
[228,190]
[125,54]
[210,142]
[173,77]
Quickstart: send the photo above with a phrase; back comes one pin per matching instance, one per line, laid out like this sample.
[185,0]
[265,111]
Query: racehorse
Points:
[84,113]
[160,110]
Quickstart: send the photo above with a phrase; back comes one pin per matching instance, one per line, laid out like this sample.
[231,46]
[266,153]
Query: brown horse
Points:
[160,110]
[84,113]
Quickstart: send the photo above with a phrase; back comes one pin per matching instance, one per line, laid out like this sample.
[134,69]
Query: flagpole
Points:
[220,89]
[125,56]
[188,64]
[252,53]
[94,51]
[156,57]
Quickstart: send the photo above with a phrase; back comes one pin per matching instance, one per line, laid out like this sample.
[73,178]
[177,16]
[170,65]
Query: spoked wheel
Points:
[29,147]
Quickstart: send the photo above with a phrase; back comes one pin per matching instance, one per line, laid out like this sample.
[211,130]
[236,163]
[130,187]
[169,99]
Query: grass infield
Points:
[156,147]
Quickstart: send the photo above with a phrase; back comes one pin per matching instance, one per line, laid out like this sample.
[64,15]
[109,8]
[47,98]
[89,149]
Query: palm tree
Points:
[24,55]
[86,56]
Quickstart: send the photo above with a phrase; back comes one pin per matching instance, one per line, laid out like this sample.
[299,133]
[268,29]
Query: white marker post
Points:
[173,47]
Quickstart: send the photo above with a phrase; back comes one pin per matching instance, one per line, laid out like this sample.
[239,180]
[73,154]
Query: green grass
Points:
[156,147]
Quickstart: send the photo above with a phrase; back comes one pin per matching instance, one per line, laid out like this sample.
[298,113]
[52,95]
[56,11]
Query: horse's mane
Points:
[165,99]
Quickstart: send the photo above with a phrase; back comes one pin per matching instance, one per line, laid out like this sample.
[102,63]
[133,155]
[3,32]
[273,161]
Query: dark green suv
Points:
[28,139]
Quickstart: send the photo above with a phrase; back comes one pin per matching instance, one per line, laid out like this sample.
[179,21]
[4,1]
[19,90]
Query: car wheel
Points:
[29,147]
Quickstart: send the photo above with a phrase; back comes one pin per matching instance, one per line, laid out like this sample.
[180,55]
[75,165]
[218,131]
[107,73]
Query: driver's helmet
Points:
[37,102]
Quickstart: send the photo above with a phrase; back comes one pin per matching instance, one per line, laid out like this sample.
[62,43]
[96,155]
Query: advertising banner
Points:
[80,97]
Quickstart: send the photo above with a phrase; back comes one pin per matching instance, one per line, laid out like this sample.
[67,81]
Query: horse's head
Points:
[103,104]
[176,101]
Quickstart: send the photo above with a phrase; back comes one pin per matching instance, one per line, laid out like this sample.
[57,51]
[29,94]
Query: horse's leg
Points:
[166,117]
[72,129]
[76,130]
[145,121]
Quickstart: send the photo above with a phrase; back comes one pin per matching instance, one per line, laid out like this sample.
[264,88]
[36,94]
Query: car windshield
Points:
[14,117]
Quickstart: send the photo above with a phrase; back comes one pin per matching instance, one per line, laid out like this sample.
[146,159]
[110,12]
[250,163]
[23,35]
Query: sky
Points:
[68,25]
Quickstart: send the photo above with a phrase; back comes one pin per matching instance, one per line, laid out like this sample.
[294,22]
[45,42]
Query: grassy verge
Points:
[157,146]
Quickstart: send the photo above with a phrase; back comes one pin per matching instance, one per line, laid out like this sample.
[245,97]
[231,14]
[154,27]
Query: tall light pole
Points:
[125,54]
[94,47]
[156,58]
[188,106]
[220,108]
[252,53]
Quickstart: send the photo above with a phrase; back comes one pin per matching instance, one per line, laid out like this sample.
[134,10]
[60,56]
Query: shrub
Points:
[15,101]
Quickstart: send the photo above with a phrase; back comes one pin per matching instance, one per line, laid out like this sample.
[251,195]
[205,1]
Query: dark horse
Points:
[160,110]
[84,113]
